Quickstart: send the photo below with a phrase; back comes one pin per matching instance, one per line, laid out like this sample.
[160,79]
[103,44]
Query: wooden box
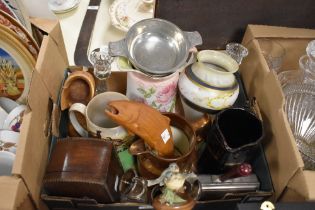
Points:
[84,167]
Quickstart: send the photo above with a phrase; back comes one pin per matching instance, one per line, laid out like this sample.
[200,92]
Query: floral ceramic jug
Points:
[209,84]
[159,93]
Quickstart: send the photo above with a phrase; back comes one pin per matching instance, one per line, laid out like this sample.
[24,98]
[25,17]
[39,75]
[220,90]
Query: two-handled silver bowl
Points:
[156,47]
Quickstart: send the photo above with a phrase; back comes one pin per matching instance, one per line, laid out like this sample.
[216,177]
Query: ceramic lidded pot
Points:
[209,84]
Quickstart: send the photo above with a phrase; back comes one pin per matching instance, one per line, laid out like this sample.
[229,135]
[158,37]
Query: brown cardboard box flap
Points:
[14,194]
[32,151]
[51,67]
[52,27]
[261,31]
[300,184]
[262,84]
[291,181]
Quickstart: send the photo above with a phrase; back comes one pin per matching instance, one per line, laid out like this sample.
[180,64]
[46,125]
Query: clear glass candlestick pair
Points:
[101,61]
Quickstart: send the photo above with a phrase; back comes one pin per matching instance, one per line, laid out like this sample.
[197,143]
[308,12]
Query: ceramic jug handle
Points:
[78,107]
[138,148]
[118,48]
[194,38]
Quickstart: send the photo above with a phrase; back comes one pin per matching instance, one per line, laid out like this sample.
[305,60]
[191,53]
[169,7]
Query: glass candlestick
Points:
[101,61]
[236,51]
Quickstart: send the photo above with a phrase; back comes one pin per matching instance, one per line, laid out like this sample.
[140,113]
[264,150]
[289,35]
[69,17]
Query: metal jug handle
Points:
[194,38]
[118,48]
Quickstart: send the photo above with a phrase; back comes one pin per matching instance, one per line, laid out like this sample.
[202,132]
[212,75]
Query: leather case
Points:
[84,167]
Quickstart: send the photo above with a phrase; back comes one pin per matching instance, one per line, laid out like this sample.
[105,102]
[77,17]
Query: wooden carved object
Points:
[146,122]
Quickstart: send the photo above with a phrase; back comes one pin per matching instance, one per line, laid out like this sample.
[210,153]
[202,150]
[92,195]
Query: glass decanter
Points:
[305,74]
[307,63]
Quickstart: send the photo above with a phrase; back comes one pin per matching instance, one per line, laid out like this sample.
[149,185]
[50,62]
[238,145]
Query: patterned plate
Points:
[16,66]
[125,13]
[6,8]
[9,22]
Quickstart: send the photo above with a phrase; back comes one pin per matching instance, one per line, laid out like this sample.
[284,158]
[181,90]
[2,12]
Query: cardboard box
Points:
[22,189]
[291,181]
[117,82]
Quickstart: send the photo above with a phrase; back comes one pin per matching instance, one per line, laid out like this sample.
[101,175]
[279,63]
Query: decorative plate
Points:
[16,66]
[4,7]
[63,6]
[9,22]
[125,13]
[18,8]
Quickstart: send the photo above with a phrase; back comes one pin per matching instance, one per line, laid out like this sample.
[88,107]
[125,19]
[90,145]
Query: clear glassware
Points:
[273,52]
[307,63]
[300,109]
[290,77]
[132,187]
[101,61]
[237,51]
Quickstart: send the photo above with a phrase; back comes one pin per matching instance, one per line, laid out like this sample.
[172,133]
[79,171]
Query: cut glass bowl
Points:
[300,109]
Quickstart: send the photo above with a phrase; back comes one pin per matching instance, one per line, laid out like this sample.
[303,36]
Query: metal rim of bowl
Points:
[146,69]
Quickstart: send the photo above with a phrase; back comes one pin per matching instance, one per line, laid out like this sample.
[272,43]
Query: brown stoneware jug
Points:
[151,165]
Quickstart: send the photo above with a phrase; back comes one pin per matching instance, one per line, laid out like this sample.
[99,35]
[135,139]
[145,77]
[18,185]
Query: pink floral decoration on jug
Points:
[159,93]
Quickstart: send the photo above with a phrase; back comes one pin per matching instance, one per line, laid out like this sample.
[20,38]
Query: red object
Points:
[244,169]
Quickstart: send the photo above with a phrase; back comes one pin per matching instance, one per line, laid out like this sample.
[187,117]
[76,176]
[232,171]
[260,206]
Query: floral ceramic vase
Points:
[159,93]
[209,84]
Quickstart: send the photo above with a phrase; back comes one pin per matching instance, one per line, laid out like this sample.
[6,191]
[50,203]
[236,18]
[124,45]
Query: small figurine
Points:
[174,194]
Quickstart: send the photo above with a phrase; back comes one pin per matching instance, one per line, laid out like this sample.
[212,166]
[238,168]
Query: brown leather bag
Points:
[84,167]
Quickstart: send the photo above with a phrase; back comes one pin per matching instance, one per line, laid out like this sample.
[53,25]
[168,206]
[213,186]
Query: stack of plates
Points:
[62,6]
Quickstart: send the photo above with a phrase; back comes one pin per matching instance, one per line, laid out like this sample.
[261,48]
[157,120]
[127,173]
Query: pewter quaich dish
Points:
[155,46]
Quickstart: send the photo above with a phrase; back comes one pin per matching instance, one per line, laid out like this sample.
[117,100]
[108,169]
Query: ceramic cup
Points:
[98,124]
[6,163]
[9,140]
[14,118]
[159,93]
[8,104]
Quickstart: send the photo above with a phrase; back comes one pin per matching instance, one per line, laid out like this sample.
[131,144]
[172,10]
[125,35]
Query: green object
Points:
[170,197]
[126,159]
[123,63]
